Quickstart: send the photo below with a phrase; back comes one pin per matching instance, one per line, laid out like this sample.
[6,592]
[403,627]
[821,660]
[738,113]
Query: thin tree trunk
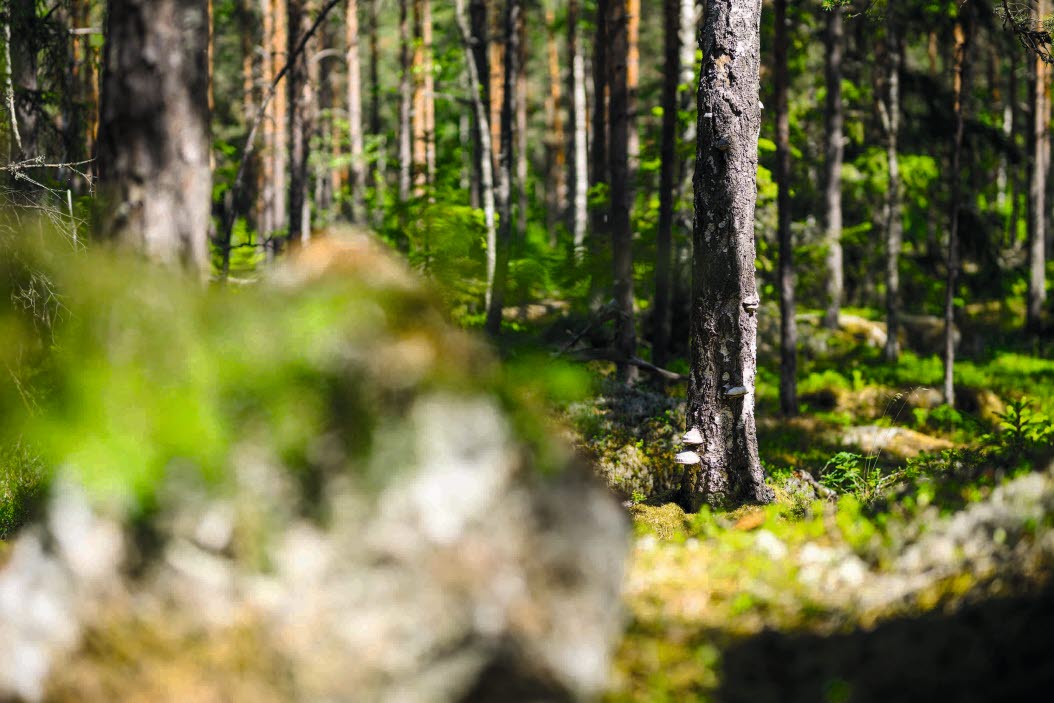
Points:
[726,469]
[1037,281]
[418,115]
[579,174]
[894,227]
[621,234]
[667,181]
[556,141]
[599,177]
[633,10]
[24,49]
[357,152]
[481,56]
[300,97]
[521,130]
[508,111]
[497,77]
[788,326]
[430,91]
[266,221]
[155,193]
[405,105]
[960,90]
[375,60]
[474,62]
[281,122]
[833,183]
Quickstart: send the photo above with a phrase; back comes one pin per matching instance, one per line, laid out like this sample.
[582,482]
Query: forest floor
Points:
[907,557]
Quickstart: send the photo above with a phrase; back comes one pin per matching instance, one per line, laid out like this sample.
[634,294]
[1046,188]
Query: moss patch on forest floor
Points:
[911,564]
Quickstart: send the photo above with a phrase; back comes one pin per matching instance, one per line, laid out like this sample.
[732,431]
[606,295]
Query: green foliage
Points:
[22,478]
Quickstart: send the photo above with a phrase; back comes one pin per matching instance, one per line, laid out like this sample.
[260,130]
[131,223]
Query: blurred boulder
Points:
[365,513]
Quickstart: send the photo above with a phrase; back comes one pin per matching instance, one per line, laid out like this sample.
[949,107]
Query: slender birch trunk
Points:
[579,174]
[894,226]
[1037,279]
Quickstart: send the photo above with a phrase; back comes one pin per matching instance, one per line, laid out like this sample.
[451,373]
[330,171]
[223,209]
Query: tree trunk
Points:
[405,105]
[1037,234]
[357,153]
[479,31]
[299,92]
[24,49]
[251,202]
[835,142]
[894,227]
[513,8]
[280,126]
[423,113]
[474,61]
[633,9]
[667,181]
[579,174]
[960,90]
[521,130]
[599,178]
[153,151]
[788,326]
[556,141]
[497,77]
[724,297]
[375,81]
[621,234]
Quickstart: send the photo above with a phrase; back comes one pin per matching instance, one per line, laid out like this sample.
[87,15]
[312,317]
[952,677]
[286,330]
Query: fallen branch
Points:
[617,357]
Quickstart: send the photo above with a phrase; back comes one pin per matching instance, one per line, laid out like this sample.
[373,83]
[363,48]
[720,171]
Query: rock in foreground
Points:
[304,491]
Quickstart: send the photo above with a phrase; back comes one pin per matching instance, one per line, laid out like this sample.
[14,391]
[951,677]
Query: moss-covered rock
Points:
[319,464]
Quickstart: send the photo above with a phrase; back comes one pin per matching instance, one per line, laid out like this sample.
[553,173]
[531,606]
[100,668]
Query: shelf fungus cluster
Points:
[692,438]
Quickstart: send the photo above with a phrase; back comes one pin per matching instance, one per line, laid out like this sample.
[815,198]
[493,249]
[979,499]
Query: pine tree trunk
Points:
[513,8]
[299,92]
[280,169]
[667,182]
[375,60]
[599,177]
[556,141]
[724,298]
[833,183]
[893,226]
[405,105]
[357,153]
[155,193]
[960,89]
[266,221]
[578,177]
[1037,234]
[521,130]
[788,326]
[621,234]
[633,10]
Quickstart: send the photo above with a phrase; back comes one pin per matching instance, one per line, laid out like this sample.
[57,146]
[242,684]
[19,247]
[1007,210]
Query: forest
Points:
[526,350]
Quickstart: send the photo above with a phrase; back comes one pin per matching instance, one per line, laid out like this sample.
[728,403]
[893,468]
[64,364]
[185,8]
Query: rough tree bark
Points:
[1037,231]
[722,432]
[889,111]
[835,148]
[153,149]
[357,152]
[960,89]
[667,182]
[621,234]
[788,326]
[513,8]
